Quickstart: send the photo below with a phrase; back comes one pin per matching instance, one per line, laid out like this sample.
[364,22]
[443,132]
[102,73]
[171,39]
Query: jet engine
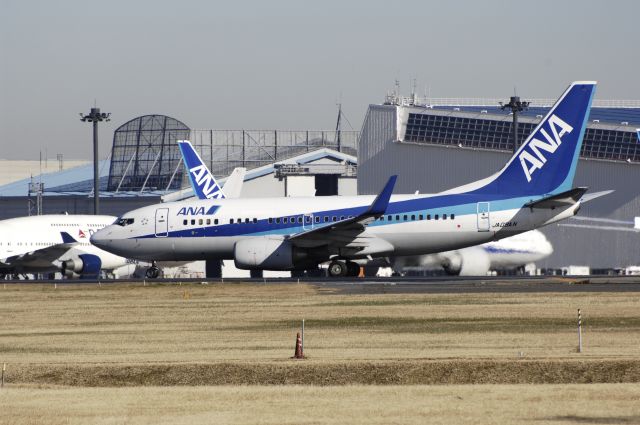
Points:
[263,253]
[468,262]
[82,266]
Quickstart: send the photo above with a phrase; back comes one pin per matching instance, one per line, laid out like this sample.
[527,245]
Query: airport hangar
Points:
[144,167]
[438,144]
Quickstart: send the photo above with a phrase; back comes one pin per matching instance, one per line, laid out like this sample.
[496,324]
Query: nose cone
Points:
[101,238]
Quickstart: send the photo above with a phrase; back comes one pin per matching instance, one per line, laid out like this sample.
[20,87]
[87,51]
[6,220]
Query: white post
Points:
[579,332]
[302,337]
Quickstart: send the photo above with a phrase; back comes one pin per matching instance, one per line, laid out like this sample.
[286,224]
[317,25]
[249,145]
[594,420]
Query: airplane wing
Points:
[44,255]
[233,186]
[349,232]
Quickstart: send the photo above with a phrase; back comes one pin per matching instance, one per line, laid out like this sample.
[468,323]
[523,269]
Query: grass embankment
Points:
[114,335]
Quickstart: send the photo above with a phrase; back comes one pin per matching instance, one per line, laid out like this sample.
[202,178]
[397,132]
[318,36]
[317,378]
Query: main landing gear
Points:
[152,272]
[343,268]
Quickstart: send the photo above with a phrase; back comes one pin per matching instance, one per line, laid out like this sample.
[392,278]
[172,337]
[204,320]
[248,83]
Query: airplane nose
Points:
[99,238]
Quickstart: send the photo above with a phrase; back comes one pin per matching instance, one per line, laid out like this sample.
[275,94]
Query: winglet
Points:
[379,205]
[67,238]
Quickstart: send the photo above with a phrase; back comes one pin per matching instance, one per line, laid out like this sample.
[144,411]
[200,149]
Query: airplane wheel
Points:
[152,272]
[338,269]
[353,269]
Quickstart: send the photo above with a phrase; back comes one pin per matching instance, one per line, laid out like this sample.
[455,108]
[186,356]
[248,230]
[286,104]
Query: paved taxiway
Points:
[409,285]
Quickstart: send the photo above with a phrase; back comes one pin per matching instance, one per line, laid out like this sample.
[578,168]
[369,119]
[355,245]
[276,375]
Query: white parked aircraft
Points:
[55,243]
[532,190]
[507,253]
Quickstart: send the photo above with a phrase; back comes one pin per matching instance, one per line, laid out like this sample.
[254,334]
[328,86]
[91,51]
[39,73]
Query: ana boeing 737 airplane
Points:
[532,190]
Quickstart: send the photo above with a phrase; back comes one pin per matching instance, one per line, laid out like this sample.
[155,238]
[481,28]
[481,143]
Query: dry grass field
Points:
[441,404]
[221,353]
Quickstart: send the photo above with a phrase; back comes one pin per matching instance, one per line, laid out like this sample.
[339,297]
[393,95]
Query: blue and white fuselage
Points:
[532,190]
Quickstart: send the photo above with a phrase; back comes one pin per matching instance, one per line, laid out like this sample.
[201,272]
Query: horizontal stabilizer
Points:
[67,238]
[592,196]
[563,199]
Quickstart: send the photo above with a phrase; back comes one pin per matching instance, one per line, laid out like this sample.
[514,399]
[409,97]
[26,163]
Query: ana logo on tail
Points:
[202,181]
[531,158]
[205,182]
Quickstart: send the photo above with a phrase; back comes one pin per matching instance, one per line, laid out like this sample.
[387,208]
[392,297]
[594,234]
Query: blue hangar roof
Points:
[73,181]
[603,114]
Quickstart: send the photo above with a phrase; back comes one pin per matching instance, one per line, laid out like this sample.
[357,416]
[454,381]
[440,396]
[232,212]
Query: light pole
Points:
[95,117]
[516,106]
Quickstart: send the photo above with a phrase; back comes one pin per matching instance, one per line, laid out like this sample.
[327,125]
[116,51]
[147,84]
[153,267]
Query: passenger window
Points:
[420,217]
[453,216]
[215,221]
[208,221]
[413,217]
[435,217]
[184,222]
[317,219]
[444,216]
[341,217]
[300,220]
[270,220]
[397,218]
[389,218]
[239,221]
[193,221]
[334,218]
[246,220]
[326,218]
[230,221]
[200,222]
[428,216]
[285,220]
[382,218]
[255,220]
[307,219]
[277,220]
[405,218]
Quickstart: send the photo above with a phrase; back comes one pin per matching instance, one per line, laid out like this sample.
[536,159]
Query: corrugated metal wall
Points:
[431,168]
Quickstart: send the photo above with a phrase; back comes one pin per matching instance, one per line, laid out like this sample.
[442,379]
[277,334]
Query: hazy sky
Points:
[283,64]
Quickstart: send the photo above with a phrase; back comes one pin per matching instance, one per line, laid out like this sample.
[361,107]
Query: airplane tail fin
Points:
[202,181]
[546,161]
[233,186]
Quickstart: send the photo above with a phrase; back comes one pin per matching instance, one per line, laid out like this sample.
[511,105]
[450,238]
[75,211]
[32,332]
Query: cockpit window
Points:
[124,221]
